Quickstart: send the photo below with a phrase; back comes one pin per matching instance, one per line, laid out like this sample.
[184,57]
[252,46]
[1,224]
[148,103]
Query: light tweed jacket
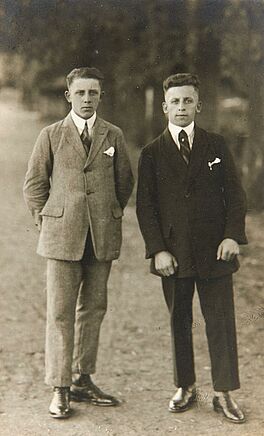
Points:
[73,193]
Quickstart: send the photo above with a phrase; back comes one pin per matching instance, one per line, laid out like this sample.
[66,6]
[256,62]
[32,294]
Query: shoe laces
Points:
[61,393]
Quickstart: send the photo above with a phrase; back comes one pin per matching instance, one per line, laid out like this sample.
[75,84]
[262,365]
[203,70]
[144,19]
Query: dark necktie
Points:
[86,140]
[184,146]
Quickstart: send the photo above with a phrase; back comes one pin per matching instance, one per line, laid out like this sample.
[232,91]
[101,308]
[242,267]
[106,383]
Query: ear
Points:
[67,95]
[199,107]
[165,107]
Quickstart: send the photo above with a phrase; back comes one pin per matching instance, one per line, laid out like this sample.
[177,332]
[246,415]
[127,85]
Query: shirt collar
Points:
[80,122]
[175,130]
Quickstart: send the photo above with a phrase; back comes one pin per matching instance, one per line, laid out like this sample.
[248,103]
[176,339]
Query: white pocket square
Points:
[216,161]
[110,151]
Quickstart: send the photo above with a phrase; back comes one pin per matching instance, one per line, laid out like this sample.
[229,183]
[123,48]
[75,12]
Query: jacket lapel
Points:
[174,158]
[199,150]
[171,152]
[99,133]
[72,136]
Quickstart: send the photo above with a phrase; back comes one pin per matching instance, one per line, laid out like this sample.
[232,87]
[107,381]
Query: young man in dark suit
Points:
[77,185]
[191,211]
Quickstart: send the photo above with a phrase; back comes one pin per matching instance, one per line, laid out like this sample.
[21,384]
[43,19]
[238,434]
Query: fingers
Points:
[166,272]
[229,255]
[227,250]
[165,264]
[219,252]
[169,270]
[175,263]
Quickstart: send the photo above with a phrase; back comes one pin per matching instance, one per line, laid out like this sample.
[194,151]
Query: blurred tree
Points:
[207,22]
[242,65]
[176,37]
[137,43]
[61,34]
[151,41]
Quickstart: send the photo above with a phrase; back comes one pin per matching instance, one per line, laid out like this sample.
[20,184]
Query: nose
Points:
[87,98]
[181,106]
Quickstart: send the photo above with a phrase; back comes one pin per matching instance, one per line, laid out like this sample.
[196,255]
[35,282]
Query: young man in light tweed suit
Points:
[78,182]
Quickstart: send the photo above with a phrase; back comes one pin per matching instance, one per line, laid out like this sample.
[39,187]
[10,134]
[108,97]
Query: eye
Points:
[188,100]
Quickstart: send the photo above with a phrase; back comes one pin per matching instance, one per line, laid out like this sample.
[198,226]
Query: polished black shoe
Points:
[182,400]
[84,390]
[60,404]
[227,406]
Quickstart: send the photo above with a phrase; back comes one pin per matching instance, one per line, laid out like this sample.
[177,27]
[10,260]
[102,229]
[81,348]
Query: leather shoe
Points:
[227,406]
[182,400]
[84,390]
[60,404]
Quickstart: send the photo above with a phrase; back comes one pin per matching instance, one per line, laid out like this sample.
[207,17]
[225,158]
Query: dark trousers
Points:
[217,305]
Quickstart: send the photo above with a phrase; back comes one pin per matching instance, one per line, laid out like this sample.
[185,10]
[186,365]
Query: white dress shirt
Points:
[175,130]
[80,122]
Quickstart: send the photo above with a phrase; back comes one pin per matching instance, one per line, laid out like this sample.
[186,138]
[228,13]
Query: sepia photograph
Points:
[132,216]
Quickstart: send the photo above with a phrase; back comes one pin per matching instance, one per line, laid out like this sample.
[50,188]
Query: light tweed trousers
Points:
[76,305]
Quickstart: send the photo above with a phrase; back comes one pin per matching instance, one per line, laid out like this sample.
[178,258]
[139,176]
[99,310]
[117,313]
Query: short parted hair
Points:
[84,73]
[181,79]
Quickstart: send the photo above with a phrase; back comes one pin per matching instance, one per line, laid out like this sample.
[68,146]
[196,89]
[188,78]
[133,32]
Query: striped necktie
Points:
[86,140]
[184,146]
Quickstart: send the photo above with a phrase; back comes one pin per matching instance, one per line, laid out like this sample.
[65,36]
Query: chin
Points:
[182,123]
[87,115]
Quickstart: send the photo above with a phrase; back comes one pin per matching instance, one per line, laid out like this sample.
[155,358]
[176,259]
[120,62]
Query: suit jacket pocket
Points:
[52,211]
[107,160]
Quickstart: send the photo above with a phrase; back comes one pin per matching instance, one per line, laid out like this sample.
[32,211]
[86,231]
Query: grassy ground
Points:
[134,358]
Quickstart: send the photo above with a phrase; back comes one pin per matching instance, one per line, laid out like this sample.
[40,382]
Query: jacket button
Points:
[187,194]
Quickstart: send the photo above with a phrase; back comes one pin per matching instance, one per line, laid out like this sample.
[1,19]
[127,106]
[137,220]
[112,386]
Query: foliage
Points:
[137,43]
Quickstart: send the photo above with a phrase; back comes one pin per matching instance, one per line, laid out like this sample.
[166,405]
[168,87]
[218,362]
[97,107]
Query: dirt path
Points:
[134,358]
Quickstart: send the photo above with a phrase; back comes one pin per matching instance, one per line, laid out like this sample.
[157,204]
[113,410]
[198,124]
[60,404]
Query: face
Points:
[181,105]
[84,96]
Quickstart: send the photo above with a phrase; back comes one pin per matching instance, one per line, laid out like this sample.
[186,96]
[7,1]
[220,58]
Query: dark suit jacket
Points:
[189,210]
